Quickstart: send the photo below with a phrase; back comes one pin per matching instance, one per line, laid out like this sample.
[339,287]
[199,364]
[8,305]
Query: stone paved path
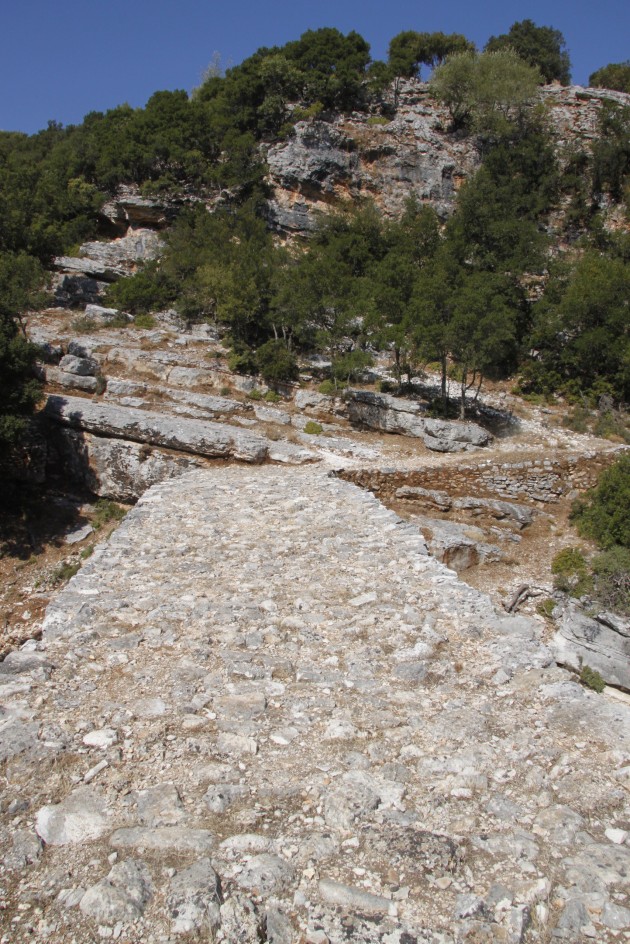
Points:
[262,713]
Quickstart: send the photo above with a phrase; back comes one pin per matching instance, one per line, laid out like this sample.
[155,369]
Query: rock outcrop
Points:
[407,417]
[213,440]
[601,642]
[324,164]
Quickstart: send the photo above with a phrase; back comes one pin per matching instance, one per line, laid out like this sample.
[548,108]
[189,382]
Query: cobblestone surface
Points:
[261,712]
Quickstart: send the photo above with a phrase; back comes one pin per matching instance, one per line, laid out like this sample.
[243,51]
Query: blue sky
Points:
[61,60]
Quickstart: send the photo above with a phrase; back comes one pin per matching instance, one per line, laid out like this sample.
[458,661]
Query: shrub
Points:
[592,679]
[546,607]
[255,394]
[243,362]
[85,325]
[604,514]
[144,321]
[313,428]
[611,574]
[272,397]
[64,572]
[276,362]
[571,572]
[328,388]
[106,511]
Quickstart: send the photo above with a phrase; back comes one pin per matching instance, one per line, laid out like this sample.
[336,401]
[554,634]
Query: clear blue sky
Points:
[60,60]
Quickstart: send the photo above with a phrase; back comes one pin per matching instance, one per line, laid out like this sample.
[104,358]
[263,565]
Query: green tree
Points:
[541,46]
[20,276]
[581,328]
[616,75]
[611,151]
[409,50]
[484,91]
[604,514]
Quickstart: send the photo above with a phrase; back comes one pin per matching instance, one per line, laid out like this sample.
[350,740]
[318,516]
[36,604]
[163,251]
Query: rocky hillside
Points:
[414,154]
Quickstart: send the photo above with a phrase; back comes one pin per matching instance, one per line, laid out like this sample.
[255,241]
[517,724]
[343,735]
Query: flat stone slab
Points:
[213,440]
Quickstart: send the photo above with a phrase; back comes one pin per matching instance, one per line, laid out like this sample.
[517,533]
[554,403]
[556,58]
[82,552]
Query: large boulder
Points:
[407,418]
[115,468]
[601,642]
[112,260]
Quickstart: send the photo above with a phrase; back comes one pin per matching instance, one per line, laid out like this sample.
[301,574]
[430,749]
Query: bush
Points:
[254,395]
[611,574]
[64,572]
[571,572]
[546,607]
[276,363]
[272,397]
[604,514]
[313,428]
[327,388]
[243,362]
[144,321]
[592,679]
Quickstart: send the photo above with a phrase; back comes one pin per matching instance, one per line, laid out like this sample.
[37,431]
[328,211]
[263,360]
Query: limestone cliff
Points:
[327,163]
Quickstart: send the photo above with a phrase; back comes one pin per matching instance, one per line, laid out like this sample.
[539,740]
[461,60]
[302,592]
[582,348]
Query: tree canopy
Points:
[616,76]
[541,46]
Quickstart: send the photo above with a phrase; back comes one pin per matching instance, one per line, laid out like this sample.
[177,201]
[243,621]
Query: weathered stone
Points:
[160,806]
[353,899]
[54,375]
[83,366]
[397,415]
[194,898]
[521,514]
[122,896]
[114,468]
[81,817]
[204,439]
[265,874]
[602,643]
[163,839]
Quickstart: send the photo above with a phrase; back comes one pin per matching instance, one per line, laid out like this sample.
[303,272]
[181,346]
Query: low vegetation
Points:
[603,516]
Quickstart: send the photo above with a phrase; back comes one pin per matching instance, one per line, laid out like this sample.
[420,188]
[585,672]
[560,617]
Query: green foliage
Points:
[409,50]
[592,679]
[611,573]
[243,361]
[351,366]
[313,428]
[254,395]
[581,326]
[611,151]
[604,514]
[571,572]
[141,293]
[272,397]
[106,511]
[19,391]
[328,388]
[64,572]
[276,363]
[540,46]
[546,607]
[484,91]
[144,321]
[616,75]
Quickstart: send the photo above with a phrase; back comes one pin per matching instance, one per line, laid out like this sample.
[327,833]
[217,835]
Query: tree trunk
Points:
[444,393]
